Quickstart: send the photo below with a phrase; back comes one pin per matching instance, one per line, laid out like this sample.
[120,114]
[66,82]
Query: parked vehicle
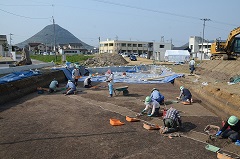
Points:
[133,58]
[135,54]
[125,54]
[45,53]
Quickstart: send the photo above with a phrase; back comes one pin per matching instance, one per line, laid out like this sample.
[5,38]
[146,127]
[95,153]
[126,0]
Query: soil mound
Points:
[105,59]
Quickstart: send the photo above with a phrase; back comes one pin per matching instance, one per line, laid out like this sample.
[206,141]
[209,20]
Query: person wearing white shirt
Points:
[152,106]
[192,66]
[110,81]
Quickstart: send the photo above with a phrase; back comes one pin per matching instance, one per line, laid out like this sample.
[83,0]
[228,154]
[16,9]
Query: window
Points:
[139,45]
[106,44]
[123,44]
[134,45]
[110,44]
[129,45]
[161,46]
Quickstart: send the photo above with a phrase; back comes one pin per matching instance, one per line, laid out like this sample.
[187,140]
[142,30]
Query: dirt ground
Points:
[77,126]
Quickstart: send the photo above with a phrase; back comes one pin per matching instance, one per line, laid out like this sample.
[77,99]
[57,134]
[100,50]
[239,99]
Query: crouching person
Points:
[233,133]
[152,107]
[172,121]
[185,95]
[53,86]
[156,95]
[71,88]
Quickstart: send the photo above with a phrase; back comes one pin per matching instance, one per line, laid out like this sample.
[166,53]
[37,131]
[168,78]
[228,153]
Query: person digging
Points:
[172,121]
[151,107]
[231,130]
[185,95]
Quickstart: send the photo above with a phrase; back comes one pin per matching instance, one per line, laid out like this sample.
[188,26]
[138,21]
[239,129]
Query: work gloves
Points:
[237,143]
[218,133]
[149,115]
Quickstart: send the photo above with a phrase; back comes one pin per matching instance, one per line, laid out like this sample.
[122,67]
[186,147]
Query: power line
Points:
[161,12]
[145,9]
[21,5]
[21,15]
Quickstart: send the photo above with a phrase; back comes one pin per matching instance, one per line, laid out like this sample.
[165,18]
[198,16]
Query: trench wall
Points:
[16,89]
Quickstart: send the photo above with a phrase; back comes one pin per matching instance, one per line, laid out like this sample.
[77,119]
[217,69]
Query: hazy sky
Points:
[136,20]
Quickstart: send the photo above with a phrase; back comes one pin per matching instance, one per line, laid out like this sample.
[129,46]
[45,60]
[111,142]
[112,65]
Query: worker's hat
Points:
[232,120]
[154,89]
[181,87]
[147,100]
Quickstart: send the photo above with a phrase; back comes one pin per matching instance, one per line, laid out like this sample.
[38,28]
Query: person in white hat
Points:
[156,95]
[71,88]
[53,86]
[185,95]
[87,82]
[76,75]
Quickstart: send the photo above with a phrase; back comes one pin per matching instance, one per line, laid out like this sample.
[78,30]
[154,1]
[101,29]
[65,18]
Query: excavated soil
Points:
[77,126]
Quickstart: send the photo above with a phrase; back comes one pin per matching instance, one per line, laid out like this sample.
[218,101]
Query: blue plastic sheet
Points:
[134,74]
[18,76]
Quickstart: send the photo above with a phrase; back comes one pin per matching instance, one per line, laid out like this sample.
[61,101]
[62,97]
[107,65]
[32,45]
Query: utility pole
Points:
[99,40]
[54,40]
[204,20]
[10,44]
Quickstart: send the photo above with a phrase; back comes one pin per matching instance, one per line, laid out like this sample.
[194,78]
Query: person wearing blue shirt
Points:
[71,88]
[185,95]
[53,86]
[156,95]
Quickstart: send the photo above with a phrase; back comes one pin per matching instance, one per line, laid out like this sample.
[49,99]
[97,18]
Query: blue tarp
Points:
[17,76]
[136,74]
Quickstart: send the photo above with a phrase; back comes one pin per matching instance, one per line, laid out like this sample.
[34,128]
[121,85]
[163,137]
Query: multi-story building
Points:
[199,48]
[156,50]
[119,46]
[3,44]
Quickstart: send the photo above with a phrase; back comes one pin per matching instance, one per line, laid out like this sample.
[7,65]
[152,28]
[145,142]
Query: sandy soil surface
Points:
[77,126]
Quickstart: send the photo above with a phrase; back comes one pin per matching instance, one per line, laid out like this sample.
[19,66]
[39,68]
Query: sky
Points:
[135,20]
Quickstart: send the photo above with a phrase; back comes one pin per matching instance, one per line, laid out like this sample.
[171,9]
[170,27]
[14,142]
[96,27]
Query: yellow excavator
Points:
[230,49]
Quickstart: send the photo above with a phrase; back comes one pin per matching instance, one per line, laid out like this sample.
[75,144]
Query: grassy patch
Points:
[58,59]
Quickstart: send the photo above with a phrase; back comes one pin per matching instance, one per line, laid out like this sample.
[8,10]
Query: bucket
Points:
[116,122]
[131,119]
[164,112]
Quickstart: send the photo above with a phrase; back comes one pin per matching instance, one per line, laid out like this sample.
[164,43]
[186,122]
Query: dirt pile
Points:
[106,60]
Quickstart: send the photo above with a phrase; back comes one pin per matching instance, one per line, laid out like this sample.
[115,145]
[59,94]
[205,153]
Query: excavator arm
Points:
[230,38]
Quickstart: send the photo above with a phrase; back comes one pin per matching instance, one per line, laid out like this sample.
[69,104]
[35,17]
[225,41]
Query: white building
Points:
[156,50]
[199,49]
[3,41]
[120,46]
